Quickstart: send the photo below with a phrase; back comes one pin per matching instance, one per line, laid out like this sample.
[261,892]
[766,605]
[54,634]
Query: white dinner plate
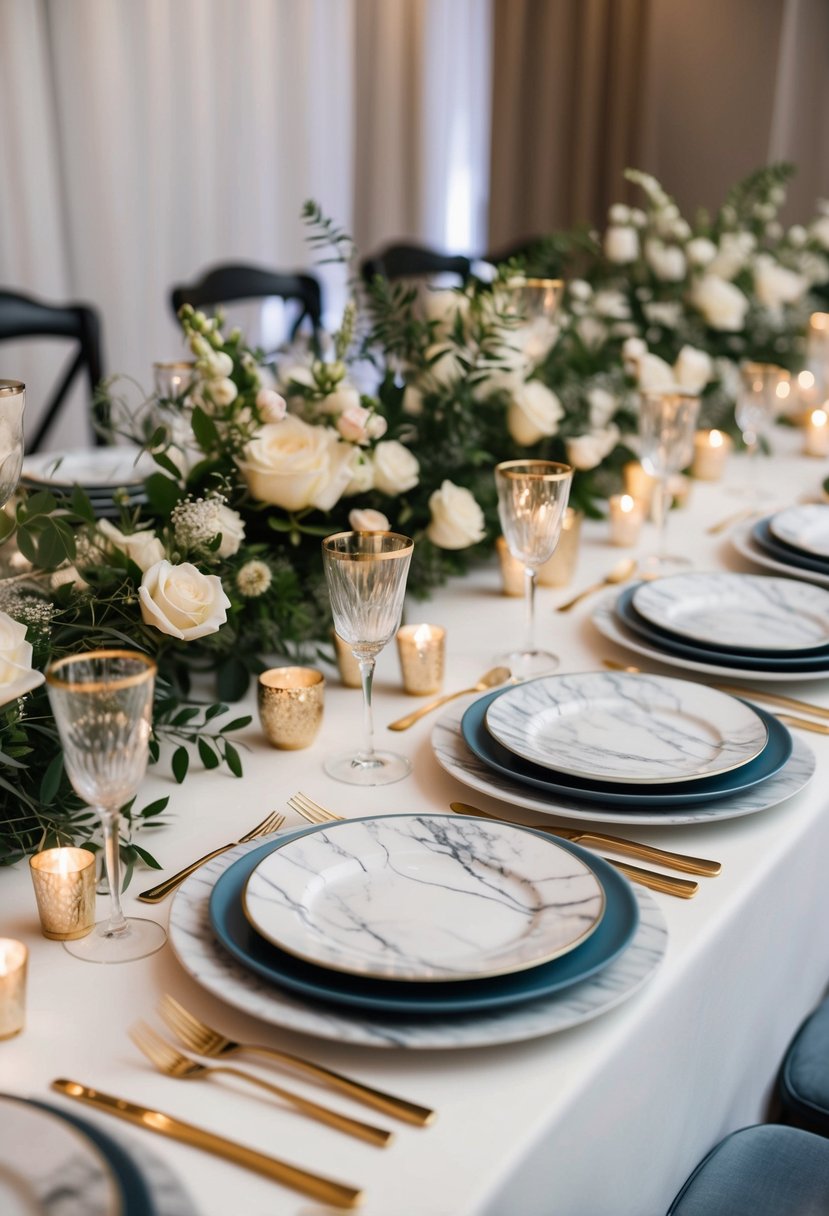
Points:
[196,948]
[749,611]
[805,527]
[613,726]
[746,546]
[422,898]
[90,467]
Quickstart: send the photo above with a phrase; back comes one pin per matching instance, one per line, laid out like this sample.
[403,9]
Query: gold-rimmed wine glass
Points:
[531,307]
[532,498]
[761,395]
[667,424]
[102,701]
[366,574]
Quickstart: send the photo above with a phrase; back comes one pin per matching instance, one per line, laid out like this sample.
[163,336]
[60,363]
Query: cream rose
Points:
[16,674]
[362,475]
[621,244]
[222,391]
[181,601]
[666,261]
[232,529]
[534,411]
[588,451]
[353,424]
[776,285]
[144,548]
[368,521]
[731,256]
[395,468]
[723,306]
[343,399]
[294,465]
[457,520]
[693,369]
[654,374]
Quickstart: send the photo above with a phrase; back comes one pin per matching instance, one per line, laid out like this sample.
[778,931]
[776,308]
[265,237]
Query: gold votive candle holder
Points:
[711,452]
[347,665]
[290,703]
[14,958]
[816,441]
[512,571]
[64,883]
[559,569]
[639,484]
[422,650]
[626,518]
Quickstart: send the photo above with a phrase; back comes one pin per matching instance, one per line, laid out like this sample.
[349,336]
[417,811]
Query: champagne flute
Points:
[366,575]
[667,422]
[532,498]
[102,701]
[763,389]
[12,404]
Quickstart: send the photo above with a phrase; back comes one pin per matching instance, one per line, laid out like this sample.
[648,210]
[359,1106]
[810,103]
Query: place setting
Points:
[793,541]
[112,478]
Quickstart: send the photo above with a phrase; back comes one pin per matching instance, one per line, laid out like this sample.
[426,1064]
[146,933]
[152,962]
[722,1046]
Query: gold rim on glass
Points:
[538,470]
[56,679]
[10,388]
[330,549]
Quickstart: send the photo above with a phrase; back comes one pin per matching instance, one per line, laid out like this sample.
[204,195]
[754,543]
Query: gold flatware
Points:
[619,844]
[498,675]
[326,1190]
[205,1041]
[154,895]
[174,1063]
[683,888]
[736,517]
[818,728]
[620,573]
[775,698]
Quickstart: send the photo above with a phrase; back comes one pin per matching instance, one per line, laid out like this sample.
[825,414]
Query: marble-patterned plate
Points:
[454,756]
[761,533]
[617,727]
[423,898]
[743,611]
[606,621]
[804,527]
[743,540]
[196,948]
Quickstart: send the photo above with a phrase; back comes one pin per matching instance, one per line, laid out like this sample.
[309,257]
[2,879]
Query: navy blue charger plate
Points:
[782,552]
[235,933]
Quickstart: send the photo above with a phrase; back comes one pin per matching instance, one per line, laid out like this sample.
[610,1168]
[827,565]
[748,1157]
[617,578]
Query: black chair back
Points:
[231,282]
[402,261]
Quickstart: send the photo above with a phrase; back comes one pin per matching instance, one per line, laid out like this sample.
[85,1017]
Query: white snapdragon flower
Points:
[219,365]
[534,411]
[182,602]
[366,520]
[396,469]
[588,451]
[457,520]
[222,391]
[722,305]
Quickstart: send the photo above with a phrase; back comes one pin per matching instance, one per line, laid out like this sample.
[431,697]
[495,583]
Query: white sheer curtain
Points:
[143,140]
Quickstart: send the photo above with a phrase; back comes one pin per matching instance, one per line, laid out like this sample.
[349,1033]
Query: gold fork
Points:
[206,1041]
[683,888]
[154,895]
[174,1063]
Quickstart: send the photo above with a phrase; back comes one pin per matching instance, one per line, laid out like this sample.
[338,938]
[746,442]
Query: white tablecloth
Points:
[603,1120]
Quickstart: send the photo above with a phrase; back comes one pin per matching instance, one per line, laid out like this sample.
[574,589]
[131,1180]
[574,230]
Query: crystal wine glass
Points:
[12,404]
[532,497]
[667,422]
[366,574]
[533,305]
[102,701]
[761,395]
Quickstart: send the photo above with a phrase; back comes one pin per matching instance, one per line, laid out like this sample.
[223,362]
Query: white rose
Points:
[732,254]
[181,601]
[776,285]
[395,468]
[534,411]
[579,289]
[362,475]
[621,245]
[16,674]
[376,426]
[341,400]
[819,230]
[666,261]
[723,306]
[654,374]
[232,528]
[368,521]
[693,369]
[222,391]
[602,407]
[144,548]
[700,251]
[272,407]
[352,424]
[293,465]
[457,520]
[588,451]
[612,304]
[619,214]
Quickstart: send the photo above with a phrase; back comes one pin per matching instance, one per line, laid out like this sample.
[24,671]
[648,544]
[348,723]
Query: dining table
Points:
[606,1118]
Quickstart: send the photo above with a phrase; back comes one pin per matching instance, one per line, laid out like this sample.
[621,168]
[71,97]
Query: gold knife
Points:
[314,1185]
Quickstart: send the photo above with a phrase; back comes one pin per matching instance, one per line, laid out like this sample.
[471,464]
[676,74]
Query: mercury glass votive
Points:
[290,705]
[347,665]
[13,960]
[422,650]
[512,572]
[64,883]
[558,570]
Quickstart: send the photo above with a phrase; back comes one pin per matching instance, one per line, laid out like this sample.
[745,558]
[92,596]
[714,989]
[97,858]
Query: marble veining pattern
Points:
[454,756]
[744,540]
[615,726]
[804,527]
[744,610]
[212,967]
[423,898]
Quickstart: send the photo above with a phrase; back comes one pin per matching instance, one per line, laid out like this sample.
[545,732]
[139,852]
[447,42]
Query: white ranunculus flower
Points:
[775,284]
[144,548]
[700,251]
[612,304]
[666,261]
[457,520]
[294,465]
[181,601]
[271,405]
[353,424]
[345,397]
[654,374]
[693,369]
[733,252]
[367,520]
[819,230]
[16,673]
[396,470]
[621,244]
[232,529]
[602,407]
[723,306]
[534,411]
[588,451]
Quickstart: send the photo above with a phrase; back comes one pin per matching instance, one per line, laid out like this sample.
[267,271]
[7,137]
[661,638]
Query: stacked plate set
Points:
[624,748]
[110,477]
[416,931]
[793,542]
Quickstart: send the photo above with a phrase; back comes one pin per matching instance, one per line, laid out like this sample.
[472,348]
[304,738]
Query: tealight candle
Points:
[558,570]
[512,571]
[639,484]
[13,959]
[626,517]
[817,434]
[711,450]
[64,883]
[421,649]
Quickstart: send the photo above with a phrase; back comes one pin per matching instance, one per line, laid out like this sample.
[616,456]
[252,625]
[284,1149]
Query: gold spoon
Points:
[498,675]
[619,574]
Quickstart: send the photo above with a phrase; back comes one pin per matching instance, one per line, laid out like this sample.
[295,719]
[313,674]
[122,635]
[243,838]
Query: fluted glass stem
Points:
[117,922]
